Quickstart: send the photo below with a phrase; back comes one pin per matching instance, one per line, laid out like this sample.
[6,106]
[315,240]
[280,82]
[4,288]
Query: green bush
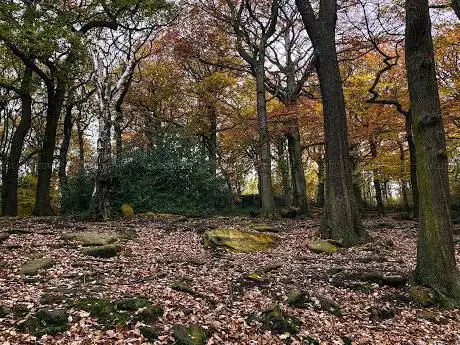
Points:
[173,178]
[76,193]
[170,179]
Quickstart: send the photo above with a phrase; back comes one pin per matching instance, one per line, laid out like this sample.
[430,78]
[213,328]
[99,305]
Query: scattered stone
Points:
[127,211]
[278,322]
[326,304]
[192,335]
[322,247]
[107,251]
[4,236]
[265,228]
[381,313]
[290,212]
[423,296]
[238,241]
[34,266]
[132,304]
[45,321]
[298,299]
[150,333]
[16,231]
[4,311]
[431,317]
[91,239]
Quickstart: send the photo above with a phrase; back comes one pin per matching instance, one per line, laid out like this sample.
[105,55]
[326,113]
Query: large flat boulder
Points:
[238,241]
[92,239]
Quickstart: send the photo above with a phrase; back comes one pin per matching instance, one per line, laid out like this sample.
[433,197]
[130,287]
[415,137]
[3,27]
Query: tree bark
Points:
[377,183]
[436,266]
[56,97]
[268,205]
[402,169]
[341,219]
[299,185]
[320,200]
[283,169]
[81,145]
[413,164]
[100,205]
[11,175]
[64,149]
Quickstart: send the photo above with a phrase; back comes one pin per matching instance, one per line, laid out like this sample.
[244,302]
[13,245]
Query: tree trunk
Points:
[402,169]
[46,157]
[11,173]
[436,266]
[100,205]
[268,207]
[64,150]
[377,184]
[299,185]
[81,146]
[320,200]
[283,170]
[211,139]
[341,216]
[413,164]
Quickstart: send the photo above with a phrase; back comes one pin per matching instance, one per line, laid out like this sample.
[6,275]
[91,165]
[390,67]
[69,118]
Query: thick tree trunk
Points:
[413,164]
[64,150]
[118,133]
[456,7]
[436,266]
[268,205]
[402,169]
[299,185]
[377,183]
[100,205]
[341,219]
[46,157]
[11,172]
[81,146]
[320,199]
[283,169]
[211,139]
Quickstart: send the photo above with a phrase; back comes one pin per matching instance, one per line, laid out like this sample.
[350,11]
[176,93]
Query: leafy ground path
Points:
[357,296]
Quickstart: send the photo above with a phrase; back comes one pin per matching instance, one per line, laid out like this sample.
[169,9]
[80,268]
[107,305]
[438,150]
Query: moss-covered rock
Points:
[182,285]
[20,310]
[191,335]
[4,311]
[107,251]
[17,231]
[328,305]
[322,247]
[34,266]
[46,321]
[278,322]
[423,296]
[104,311]
[4,236]
[132,304]
[298,299]
[127,211]
[165,216]
[150,333]
[265,228]
[238,241]
[92,239]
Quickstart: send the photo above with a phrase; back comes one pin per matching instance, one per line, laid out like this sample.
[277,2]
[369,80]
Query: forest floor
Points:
[353,296]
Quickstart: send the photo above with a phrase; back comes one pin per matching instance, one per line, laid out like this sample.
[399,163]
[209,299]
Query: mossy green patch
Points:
[150,333]
[265,228]
[34,266]
[277,321]
[238,241]
[423,296]
[192,335]
[132,304]
[107,251]
[4,311]
[298,299]
[46,322]
[322,247]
